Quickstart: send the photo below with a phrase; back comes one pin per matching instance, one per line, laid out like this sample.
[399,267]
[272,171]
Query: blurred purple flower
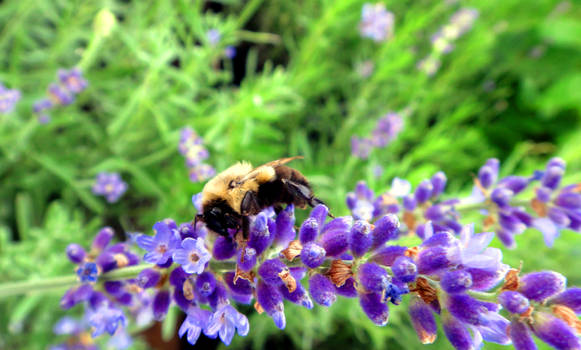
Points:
[109,185]
[376,22]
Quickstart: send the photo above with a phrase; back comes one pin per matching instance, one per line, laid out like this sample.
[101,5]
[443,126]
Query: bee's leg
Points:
[245,227]
[304,193]
[277,208]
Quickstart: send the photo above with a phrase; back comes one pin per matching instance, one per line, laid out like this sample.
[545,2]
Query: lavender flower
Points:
[109,185]
[224,322]
[213,36]
[8,99]
[161,246]
[193,255]
[72,80]
[361,147]
[61,93]
[376,22]
[196,320]
[191,146]
[387,129]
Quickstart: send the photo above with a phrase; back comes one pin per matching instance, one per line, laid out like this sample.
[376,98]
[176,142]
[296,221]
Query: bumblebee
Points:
[242,191]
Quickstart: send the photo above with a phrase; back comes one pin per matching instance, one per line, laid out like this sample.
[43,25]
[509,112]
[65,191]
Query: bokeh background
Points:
[303,81]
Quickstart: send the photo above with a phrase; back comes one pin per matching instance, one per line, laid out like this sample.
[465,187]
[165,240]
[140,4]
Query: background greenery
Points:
[510,89]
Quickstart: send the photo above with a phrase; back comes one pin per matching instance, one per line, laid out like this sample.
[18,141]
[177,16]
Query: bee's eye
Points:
[231,184]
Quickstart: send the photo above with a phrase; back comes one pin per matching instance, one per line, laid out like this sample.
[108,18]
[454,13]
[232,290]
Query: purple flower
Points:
[538,286]
[109,185]
[201,172]
[161,246]
[387,129]
[72,80]
[87,272]
[554,331]
[230,52]
[76,253]
[404,269]
[322,290]
[374,308]
[160,304]
[193,255]
[271,301]
[513,302]
[360,238]
[106,318]
[313,255]
[423,320]
[361,147]
[213,36]
[8,99]
[197,319]
[225,321]
[520,335]
[376,22]
[458,334]
[373,277]
[570,298]
[59,95]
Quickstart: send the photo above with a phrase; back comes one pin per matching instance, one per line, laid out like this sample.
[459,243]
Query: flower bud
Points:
[552,177]
[219,296]
[246,259]
[569,200]
[102,239]
[514,183]
[205,284]
[180,299]
[558,162]
[148,278]
[361,238]
[75,253]
[511,223]
[467,309]
[104,23]
[554,331]
[319,213]
[373,277]
[456,281]
[177,277]
[435,258]
[438,183]
[520,336]
[300,295]
[559,217]
[347,289]
[506,237]
[270,271]
[271,301]
[484,279]
[335,237]
[501,196]
[488,173]
[457,333]
[260,236]
[543,194]
[538,286]
[423,320]
[423,191]
[224,248]
[161,303]
[570,298]
[113,287]
[187,230]
[374,308]
[425,231]
[513,302]
[404,269]
[313,255]
[386,256]
[386,228]
[285,231]
[322,290]
[409,203]
[309,230]
[241,291]
[362,191]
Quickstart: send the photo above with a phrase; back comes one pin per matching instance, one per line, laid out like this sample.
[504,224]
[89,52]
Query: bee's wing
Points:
[260,169]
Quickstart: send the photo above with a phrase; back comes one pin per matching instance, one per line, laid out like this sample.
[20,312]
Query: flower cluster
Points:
[70,83]
[109,185]
[8,99]
[191,146]
[376,22]
[386,130]
[553,208]
[443,39]
[453,274]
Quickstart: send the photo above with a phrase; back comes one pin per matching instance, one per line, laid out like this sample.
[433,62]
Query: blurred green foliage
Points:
[511,89]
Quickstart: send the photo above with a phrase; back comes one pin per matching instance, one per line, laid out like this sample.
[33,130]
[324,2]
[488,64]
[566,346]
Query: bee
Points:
[242,191]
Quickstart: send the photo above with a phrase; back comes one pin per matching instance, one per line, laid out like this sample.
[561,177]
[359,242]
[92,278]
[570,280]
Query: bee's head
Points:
[219,218]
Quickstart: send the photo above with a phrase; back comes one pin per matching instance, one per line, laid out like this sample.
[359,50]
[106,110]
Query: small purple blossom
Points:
[376,22]
[109,185]
[193,255]
[8,99]
[161,246]
[225,322]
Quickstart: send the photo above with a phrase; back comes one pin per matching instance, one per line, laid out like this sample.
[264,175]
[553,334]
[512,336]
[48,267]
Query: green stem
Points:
[482,296]
[90,52]
[248,12]
[258,37]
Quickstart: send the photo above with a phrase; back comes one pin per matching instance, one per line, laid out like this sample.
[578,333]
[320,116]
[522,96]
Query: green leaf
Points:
[562,31]
[23,214]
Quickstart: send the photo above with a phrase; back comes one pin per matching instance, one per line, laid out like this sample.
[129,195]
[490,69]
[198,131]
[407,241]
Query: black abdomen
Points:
[289,187]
